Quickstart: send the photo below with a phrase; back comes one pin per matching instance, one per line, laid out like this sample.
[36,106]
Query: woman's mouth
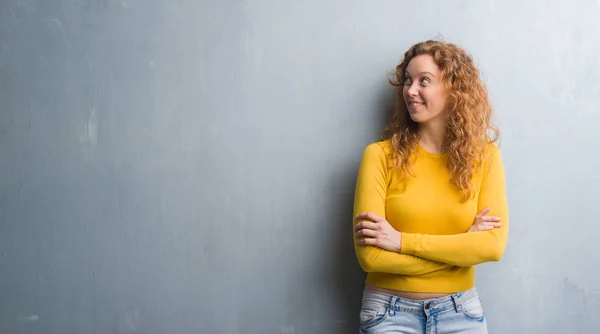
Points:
[415,105]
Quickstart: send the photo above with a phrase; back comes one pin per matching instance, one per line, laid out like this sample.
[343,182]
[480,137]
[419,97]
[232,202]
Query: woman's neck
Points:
[432,136]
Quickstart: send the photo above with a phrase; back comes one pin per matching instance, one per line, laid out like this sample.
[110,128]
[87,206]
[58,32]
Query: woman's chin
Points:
[415,117]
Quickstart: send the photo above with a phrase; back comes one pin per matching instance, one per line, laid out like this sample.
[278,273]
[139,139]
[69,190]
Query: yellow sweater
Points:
[437,254]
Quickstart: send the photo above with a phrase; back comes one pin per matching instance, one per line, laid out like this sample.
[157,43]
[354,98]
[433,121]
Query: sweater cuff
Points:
[408,243]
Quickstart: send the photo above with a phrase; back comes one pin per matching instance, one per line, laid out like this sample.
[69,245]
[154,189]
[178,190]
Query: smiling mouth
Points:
[415,104]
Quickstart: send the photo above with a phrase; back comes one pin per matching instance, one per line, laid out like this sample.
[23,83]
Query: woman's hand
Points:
[376,231]
[483,222]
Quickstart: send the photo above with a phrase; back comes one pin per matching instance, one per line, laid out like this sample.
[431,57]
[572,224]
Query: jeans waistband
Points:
[395,303]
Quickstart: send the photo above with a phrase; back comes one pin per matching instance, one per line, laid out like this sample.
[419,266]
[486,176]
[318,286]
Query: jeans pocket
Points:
[473,309]
[372,314]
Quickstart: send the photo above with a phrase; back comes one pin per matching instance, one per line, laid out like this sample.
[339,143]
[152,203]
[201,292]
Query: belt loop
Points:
[392,307]
[457,303]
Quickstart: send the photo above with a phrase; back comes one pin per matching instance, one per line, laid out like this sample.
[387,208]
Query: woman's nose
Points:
[412,90]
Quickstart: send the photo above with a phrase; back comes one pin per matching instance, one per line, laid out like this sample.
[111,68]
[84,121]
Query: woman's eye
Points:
[425,81]
[407,81]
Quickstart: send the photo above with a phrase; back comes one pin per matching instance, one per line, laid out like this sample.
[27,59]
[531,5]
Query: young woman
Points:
[430,199]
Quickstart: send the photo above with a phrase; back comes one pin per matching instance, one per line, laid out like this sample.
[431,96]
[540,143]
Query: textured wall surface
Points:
[189,166]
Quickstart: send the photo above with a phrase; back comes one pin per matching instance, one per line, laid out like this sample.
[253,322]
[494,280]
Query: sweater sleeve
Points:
[370,195]
[469,249]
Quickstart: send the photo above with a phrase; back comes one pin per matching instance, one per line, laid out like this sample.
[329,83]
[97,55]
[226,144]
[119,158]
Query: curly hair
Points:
[468,130]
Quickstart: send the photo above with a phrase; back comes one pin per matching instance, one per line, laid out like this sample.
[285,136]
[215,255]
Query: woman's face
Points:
[424,90]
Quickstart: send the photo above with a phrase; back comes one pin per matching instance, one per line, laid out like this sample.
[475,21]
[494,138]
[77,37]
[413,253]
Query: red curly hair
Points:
[468,130]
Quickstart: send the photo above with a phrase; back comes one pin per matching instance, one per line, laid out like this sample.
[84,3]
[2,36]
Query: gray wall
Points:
[188,166]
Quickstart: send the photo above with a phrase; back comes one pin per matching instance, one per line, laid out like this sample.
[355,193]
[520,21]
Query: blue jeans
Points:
[458,313]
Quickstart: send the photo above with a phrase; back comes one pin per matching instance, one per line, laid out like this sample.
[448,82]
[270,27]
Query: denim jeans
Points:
[458,313]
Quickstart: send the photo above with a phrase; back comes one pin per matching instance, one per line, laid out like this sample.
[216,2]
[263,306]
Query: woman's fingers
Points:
[365,233]
[484,226]
[369,215]
[365,225]
[367,241]
[483,212]
[490,219]
[488,226]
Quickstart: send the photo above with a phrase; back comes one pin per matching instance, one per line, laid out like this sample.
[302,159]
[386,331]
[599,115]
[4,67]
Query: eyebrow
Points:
[406,73]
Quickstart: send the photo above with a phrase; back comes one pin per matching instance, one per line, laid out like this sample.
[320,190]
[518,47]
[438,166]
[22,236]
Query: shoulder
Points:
[377,154]
[493,150]
[493,156]
[379,148]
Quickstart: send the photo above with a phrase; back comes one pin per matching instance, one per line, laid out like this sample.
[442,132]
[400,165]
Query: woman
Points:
[416,195]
